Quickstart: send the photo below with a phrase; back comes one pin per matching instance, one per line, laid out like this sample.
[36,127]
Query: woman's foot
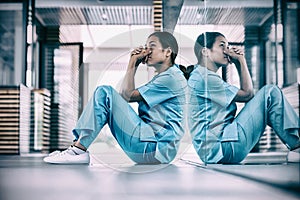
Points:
[72,155]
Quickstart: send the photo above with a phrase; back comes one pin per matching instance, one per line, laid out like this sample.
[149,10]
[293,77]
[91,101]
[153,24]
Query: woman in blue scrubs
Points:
[219,136]
[153,135]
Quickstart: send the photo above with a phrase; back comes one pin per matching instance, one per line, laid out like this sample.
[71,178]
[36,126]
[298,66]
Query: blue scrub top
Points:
[163,106]
[212,111]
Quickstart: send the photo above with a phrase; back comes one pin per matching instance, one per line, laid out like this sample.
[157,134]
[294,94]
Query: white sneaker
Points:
[54,153]
[293,156]
[72,155]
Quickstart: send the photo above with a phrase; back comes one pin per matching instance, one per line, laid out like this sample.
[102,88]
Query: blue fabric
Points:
[211,108]
[164,104]
[220,136]
[153,135]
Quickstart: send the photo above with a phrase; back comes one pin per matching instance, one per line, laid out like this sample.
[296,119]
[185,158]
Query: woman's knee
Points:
[272,89]
[273,94]
[104,89]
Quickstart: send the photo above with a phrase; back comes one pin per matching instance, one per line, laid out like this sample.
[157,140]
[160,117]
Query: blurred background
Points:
[54,53]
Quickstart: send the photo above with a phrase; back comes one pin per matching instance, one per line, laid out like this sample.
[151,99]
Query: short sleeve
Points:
[220,91]
[157,90]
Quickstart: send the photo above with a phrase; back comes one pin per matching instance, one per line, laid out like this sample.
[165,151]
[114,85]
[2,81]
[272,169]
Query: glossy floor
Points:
[113,176]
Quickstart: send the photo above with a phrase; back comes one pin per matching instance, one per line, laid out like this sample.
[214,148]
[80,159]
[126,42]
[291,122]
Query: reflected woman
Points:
[219,136]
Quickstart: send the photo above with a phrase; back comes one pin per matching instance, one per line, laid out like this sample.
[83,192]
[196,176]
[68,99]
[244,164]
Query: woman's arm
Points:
[245,92]
[128,90]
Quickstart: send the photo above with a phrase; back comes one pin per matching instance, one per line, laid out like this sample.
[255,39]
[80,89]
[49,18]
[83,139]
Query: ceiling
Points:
[135,12]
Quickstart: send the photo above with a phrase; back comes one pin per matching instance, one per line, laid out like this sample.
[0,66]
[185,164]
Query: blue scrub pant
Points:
[267,107]
[107,106]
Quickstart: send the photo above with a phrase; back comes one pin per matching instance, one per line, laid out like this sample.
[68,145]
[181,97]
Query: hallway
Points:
[29,178]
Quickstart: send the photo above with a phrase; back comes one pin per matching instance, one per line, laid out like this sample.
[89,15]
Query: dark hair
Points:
[186,70]
[167,40]
[206,39]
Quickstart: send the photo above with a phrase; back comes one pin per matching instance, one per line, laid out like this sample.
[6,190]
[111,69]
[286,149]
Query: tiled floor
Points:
[28,178]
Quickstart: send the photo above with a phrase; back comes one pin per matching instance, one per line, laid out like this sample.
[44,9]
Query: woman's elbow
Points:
[249,94]
[244,95]
[125,95]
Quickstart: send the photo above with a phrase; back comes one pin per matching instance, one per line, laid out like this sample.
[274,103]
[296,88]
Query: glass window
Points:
[11,41]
